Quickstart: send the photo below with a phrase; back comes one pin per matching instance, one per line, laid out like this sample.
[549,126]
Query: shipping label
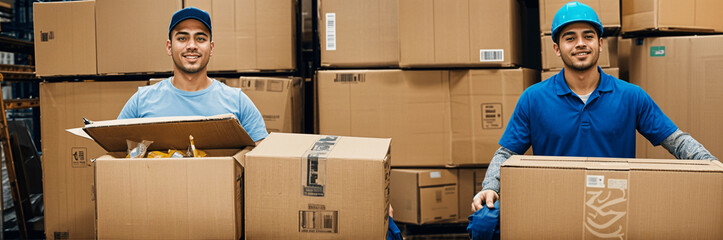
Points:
[491,115]
[317,219]
[313,169]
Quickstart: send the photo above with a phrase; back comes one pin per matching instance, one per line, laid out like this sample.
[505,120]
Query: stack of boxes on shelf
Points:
[441,78]
[609,13]
[677,67]
[107,39]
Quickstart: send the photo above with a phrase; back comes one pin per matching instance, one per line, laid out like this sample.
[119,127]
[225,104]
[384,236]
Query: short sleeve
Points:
[517,134]
[651,122]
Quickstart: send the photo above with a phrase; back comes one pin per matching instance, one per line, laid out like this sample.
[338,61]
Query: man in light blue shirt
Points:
[190,92]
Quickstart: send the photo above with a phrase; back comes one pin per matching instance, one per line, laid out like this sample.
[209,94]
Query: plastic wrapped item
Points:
[137,149]
[170,154]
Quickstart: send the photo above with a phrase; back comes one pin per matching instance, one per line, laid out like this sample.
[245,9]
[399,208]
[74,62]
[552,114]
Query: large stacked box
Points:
[609,13]
[678,72]
[451,75]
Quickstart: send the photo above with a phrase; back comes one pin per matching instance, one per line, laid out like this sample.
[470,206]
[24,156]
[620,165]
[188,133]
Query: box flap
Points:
[214,132]
[598,163]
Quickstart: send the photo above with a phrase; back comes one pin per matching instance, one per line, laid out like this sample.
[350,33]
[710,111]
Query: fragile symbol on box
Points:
[491,115]
[78,157]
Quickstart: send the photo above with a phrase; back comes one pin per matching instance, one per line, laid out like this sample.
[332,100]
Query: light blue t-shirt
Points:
[163,100]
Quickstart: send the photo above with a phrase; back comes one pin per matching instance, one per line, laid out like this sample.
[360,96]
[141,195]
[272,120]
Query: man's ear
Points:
[168,47]
[212,46]
[601,44]
[556,48]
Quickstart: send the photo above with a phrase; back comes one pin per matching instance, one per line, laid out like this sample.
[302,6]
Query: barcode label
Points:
[435,174]
[350,78]
[618,183]
[491,55]
[331,31]
[595,181]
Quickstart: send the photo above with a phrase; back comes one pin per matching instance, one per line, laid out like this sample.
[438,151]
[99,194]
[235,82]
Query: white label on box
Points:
[621,184]
[491,55]
[435,174]
[330,31]
[595,181]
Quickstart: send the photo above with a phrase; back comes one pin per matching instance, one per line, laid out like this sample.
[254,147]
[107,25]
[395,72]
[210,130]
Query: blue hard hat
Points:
[575,12]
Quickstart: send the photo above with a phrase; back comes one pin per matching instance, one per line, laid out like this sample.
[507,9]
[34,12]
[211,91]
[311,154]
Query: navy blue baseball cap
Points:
[190,13]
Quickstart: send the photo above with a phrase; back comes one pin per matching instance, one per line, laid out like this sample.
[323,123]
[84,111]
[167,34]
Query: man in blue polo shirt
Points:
[582,111]
[190,92]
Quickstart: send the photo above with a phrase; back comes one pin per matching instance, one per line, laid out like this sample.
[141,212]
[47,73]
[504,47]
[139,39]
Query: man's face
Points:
[190,46]
[579,46]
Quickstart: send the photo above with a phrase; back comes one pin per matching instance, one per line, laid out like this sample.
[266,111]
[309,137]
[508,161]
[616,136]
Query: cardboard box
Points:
[411,107]
[358,33]
[65,42]
[668,15]
[482,102]
[608,56]
[145,51]
[687,68]
[422,196]
[393,103]
[469,183]
[67,169]
[592,198]
[251,34]
[615,72]
[607,10]
[180,198]
[280,101]
[624,45]
[459,33]
[317,187]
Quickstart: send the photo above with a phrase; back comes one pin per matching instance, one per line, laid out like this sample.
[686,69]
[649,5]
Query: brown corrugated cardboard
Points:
[607,10]
[469,183]
[280,101]
[422,196]
[671,15]
[178,198]
[359,33]
[411,107]
[67,170]
[188,198]
[251,34]
[65,42]
[593,198]
[390,103]
[608,56]
[302,186]
[458,33]
[482,101]
[144,51]
[682,75]
[615,72]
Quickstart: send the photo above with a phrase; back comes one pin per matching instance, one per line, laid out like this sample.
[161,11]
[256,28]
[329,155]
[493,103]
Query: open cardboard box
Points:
[177,198]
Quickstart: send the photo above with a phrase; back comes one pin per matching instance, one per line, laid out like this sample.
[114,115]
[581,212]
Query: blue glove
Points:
[484,224]
[393,232]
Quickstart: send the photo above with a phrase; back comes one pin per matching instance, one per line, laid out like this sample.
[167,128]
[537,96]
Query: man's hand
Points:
[487,196]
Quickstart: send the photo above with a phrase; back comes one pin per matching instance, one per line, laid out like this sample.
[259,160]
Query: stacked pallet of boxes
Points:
[609,13]
[677,68]
[125,40]
[441,78]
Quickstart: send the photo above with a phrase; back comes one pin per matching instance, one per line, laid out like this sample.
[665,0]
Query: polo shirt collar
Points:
[561,88]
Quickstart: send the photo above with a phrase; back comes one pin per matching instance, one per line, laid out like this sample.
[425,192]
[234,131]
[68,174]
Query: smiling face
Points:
[579,46]
[190,47]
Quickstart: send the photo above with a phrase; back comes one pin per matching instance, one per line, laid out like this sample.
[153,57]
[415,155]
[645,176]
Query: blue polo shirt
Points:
[555,122]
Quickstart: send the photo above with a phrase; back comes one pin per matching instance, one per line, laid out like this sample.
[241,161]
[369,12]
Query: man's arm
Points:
[491,184]
[683,146]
